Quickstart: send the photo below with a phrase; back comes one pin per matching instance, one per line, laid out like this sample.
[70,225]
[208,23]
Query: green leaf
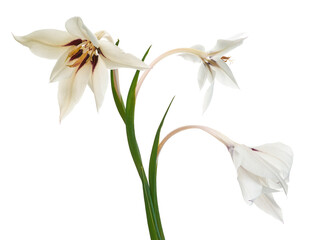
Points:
[152,225]
[130,109]
[153,164]
[134,149]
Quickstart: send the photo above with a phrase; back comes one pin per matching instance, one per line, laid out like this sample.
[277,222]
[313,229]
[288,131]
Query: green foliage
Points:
[134,149]
[153,164]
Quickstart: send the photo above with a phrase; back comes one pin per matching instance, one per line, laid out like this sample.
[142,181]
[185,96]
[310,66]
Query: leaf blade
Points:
[153,171]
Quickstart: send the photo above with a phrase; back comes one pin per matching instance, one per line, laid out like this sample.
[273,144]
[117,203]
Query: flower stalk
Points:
[219,136]
[164,55]
[127,114]
[262,170]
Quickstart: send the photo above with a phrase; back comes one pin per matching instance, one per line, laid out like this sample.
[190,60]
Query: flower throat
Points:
[84,52]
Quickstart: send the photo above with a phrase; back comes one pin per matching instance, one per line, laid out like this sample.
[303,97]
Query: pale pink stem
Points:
[222,138]
[116,82]
[164,55]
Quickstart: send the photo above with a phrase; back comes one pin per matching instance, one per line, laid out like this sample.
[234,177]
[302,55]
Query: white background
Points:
[76,180]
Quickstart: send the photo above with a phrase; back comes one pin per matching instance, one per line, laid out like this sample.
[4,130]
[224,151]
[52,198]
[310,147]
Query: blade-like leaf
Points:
[134,149]
[153,164]
[130,108]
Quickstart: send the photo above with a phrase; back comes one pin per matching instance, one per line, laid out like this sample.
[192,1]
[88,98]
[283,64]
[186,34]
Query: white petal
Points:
[113,55]
[276,184]
[65,73]
[99,82]
[211,74]
[279,155]
[225,75]
[270,185]
[198,47]
[268,190]
[202,75]
[266,203]
[110,64]
[60,66]
[192,57]
[236,156]
[71,89]
[104,35]
[46,43]
[249,184]
[225,45]
[207,97]
[76,27]
[282,168]
[252,161]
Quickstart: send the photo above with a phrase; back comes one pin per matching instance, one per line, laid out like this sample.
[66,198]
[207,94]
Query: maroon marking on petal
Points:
[75,42]
[94,62]
[99,51]
[253,149]
[77,55]
[83,62]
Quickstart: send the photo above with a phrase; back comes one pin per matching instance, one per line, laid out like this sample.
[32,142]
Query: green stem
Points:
[127,115]
[134,149]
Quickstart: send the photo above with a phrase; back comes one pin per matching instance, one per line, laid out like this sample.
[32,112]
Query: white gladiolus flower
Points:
[213,65]
[83,58]
[262,171]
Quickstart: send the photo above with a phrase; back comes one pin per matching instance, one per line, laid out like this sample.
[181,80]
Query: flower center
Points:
[209,60]
[84,52]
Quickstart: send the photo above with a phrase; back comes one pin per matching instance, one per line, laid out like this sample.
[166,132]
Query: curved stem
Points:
[222,138]
[116,82]
[164,55]
[117,95]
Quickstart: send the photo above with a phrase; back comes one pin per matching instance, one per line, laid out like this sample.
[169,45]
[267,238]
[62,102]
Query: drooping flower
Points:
[262,171]
[213,65]
[84,59]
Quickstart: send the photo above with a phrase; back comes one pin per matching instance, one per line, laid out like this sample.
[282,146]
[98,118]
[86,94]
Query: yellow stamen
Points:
[87,51]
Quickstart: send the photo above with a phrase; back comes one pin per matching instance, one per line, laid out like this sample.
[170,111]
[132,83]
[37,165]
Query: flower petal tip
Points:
[19,39]
[236,86]
[203,111]
[98,108]
[76,27]
[279,217]
[140,65]
[145,66]
[63,113]
[205,108]
[239,37]
[61,117]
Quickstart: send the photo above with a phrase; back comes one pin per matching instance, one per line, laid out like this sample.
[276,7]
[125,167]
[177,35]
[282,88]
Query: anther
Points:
[94,61]
[224,58]
[75,42]
[76,55]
